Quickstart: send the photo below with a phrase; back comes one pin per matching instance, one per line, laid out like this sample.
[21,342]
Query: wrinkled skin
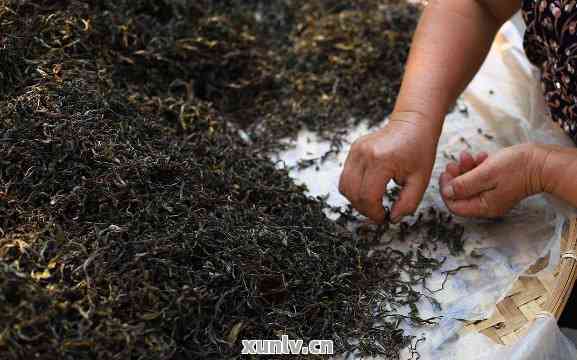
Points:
[489,186]
[403,151]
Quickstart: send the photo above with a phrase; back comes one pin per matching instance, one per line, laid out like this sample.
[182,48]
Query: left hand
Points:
[488,186]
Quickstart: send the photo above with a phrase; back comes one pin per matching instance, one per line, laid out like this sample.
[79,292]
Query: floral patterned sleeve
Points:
[551,44]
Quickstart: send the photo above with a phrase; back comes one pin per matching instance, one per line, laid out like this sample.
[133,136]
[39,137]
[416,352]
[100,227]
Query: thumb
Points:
[410,198]
[469,184]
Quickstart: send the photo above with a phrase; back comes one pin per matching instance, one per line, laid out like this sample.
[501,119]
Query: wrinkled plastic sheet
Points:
[504,100]
[543,341]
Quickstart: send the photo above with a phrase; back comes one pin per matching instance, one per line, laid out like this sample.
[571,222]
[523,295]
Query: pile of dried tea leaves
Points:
[140,217]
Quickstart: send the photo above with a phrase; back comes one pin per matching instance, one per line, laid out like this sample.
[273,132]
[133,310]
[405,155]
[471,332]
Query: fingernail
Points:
[448,192]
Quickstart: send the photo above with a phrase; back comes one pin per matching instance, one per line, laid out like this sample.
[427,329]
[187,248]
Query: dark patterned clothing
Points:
[551,44]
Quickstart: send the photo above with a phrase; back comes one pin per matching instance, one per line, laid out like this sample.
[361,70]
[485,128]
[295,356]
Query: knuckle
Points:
[459,208]
[357,145]
[372,153]
[454,209]
[459,187]
[487,175]
[485,209]
[366,150]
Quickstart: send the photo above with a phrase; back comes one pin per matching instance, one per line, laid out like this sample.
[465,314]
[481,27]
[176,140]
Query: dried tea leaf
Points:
[234,332]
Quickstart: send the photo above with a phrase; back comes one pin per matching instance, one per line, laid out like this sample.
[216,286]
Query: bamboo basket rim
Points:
[533,295]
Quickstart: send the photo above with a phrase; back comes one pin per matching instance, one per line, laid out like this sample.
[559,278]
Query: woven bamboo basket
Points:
[533,295]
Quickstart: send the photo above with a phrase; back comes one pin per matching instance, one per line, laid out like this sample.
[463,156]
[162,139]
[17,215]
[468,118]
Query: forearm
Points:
[450,44]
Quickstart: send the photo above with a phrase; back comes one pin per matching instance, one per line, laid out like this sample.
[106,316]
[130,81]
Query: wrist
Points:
[538,168]
[430,113]
[553,163]
[428,124]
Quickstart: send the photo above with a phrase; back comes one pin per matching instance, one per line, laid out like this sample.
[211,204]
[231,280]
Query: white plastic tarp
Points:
[505,101]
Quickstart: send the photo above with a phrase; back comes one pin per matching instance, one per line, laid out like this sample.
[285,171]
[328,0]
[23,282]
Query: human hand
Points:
[404,151]
[488,186]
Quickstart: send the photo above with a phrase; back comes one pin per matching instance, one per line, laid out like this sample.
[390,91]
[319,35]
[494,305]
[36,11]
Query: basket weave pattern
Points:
[532,295]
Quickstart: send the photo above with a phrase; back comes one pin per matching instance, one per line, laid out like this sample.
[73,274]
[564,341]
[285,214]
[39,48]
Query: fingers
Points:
[364,189]
[469,184]
[469,187]
[444,179]
[480,157]
[351,178]
[453,169]
[409,199]
[370,200]
[477,206]
[466,162]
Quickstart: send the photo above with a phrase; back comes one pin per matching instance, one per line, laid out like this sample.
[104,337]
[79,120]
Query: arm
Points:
[451,42]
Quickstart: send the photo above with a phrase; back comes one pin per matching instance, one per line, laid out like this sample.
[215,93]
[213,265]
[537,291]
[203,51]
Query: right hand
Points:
[404,151]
